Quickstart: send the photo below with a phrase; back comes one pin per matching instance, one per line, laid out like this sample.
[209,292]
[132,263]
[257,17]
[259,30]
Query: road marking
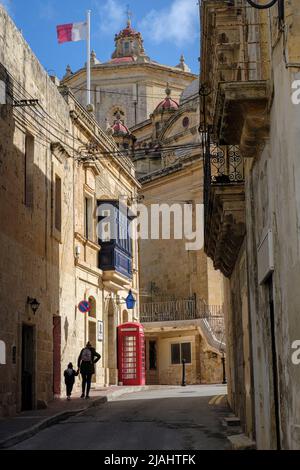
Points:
[216,400]
[212,400]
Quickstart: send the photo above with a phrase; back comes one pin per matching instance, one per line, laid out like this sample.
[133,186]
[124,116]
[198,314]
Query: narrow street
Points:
[172,418]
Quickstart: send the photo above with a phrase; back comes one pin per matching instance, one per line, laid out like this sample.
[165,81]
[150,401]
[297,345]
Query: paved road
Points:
[165,419]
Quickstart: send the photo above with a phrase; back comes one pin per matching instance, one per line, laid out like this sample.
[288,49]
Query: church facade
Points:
[130,84]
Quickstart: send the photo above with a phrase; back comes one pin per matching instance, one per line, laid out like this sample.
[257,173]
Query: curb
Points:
[55,419]
[46,423]
[241,442]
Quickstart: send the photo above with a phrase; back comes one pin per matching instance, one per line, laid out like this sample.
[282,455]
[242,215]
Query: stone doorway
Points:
[28,368]
[92,340]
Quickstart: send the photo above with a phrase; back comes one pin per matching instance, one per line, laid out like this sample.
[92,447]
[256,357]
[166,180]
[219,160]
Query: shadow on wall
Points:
[25,193]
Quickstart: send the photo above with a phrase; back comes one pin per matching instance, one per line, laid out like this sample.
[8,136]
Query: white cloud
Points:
[47,11]
[178,23]
[112,16]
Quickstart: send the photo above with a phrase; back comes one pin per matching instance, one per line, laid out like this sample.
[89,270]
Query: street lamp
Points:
[263,4]
[130,301]
[183,382]
[34,304]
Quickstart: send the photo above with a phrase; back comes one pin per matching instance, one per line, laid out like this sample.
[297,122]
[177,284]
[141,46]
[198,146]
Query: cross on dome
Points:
[129,16]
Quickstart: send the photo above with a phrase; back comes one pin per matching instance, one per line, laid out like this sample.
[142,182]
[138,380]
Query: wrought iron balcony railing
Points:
[222,166]
[168,310]
[209,317]
[226,165]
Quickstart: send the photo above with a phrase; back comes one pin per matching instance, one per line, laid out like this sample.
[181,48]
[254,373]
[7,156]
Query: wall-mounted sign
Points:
[84,306]
[2,353]
[100,330]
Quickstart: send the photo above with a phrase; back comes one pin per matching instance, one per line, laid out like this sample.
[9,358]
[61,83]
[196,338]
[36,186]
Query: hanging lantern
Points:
[130,301]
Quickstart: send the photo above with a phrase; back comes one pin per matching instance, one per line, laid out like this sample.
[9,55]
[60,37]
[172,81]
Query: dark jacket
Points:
[87,367]
[70,378]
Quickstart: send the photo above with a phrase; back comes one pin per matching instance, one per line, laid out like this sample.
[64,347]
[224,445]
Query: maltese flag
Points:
[71,32]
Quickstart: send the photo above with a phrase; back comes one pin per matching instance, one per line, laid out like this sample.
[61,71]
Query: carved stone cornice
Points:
[59,150]
[225,226]
[242,115]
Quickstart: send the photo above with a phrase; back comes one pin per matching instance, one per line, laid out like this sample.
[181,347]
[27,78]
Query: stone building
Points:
[152,112]
[57,166]
[251,194]
[181,293]
[130,84]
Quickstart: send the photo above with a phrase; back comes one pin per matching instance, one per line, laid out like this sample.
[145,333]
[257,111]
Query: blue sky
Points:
[169,28]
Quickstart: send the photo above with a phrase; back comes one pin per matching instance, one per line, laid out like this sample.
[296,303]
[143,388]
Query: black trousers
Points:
[86,381]
[69,388]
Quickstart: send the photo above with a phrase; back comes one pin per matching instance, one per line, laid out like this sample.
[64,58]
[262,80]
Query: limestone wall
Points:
[29,253]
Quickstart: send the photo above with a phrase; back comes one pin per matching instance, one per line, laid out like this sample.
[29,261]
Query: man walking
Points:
[86,363]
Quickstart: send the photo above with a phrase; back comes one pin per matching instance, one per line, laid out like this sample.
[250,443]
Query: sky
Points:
[169,28]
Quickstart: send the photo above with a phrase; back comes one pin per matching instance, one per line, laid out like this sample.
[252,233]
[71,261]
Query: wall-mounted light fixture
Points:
[34,304]
[130,301]
[263,4]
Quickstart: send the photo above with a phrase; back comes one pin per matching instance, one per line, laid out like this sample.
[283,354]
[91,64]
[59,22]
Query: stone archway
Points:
[125,316]
[112,322]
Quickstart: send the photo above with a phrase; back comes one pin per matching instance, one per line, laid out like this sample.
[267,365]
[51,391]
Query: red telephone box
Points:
[131,354]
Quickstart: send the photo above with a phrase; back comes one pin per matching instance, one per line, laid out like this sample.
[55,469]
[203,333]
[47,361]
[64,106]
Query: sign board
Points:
[2,353]
[84,306]
[100,330]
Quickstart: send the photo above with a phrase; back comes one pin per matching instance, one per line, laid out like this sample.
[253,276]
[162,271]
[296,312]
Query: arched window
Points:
[92,312]
[126,47]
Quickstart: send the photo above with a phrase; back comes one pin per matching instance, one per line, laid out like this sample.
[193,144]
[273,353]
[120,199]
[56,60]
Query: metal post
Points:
[224,370]
[183,383]
[88,62]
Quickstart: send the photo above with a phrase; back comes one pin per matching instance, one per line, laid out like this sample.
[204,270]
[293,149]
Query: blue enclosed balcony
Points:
[114,238]
[112,257]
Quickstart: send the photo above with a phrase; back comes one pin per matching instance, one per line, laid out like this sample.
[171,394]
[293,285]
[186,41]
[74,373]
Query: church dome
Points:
[182,65]
[190,91]
[167,103]
[128,46]
[128,32]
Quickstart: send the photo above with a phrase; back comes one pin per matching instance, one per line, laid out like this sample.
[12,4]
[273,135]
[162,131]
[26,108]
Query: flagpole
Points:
[88,62]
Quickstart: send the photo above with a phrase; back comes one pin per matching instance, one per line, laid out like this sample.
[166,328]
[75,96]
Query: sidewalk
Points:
[28,423]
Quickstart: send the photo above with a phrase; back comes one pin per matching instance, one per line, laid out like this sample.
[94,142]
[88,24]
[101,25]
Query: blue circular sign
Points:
[84,306]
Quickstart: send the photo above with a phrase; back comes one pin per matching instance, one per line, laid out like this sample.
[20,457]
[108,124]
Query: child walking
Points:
[69,375]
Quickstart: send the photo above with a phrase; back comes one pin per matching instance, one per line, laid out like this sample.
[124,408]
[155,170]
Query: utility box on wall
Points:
[265,258]
[131,354]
